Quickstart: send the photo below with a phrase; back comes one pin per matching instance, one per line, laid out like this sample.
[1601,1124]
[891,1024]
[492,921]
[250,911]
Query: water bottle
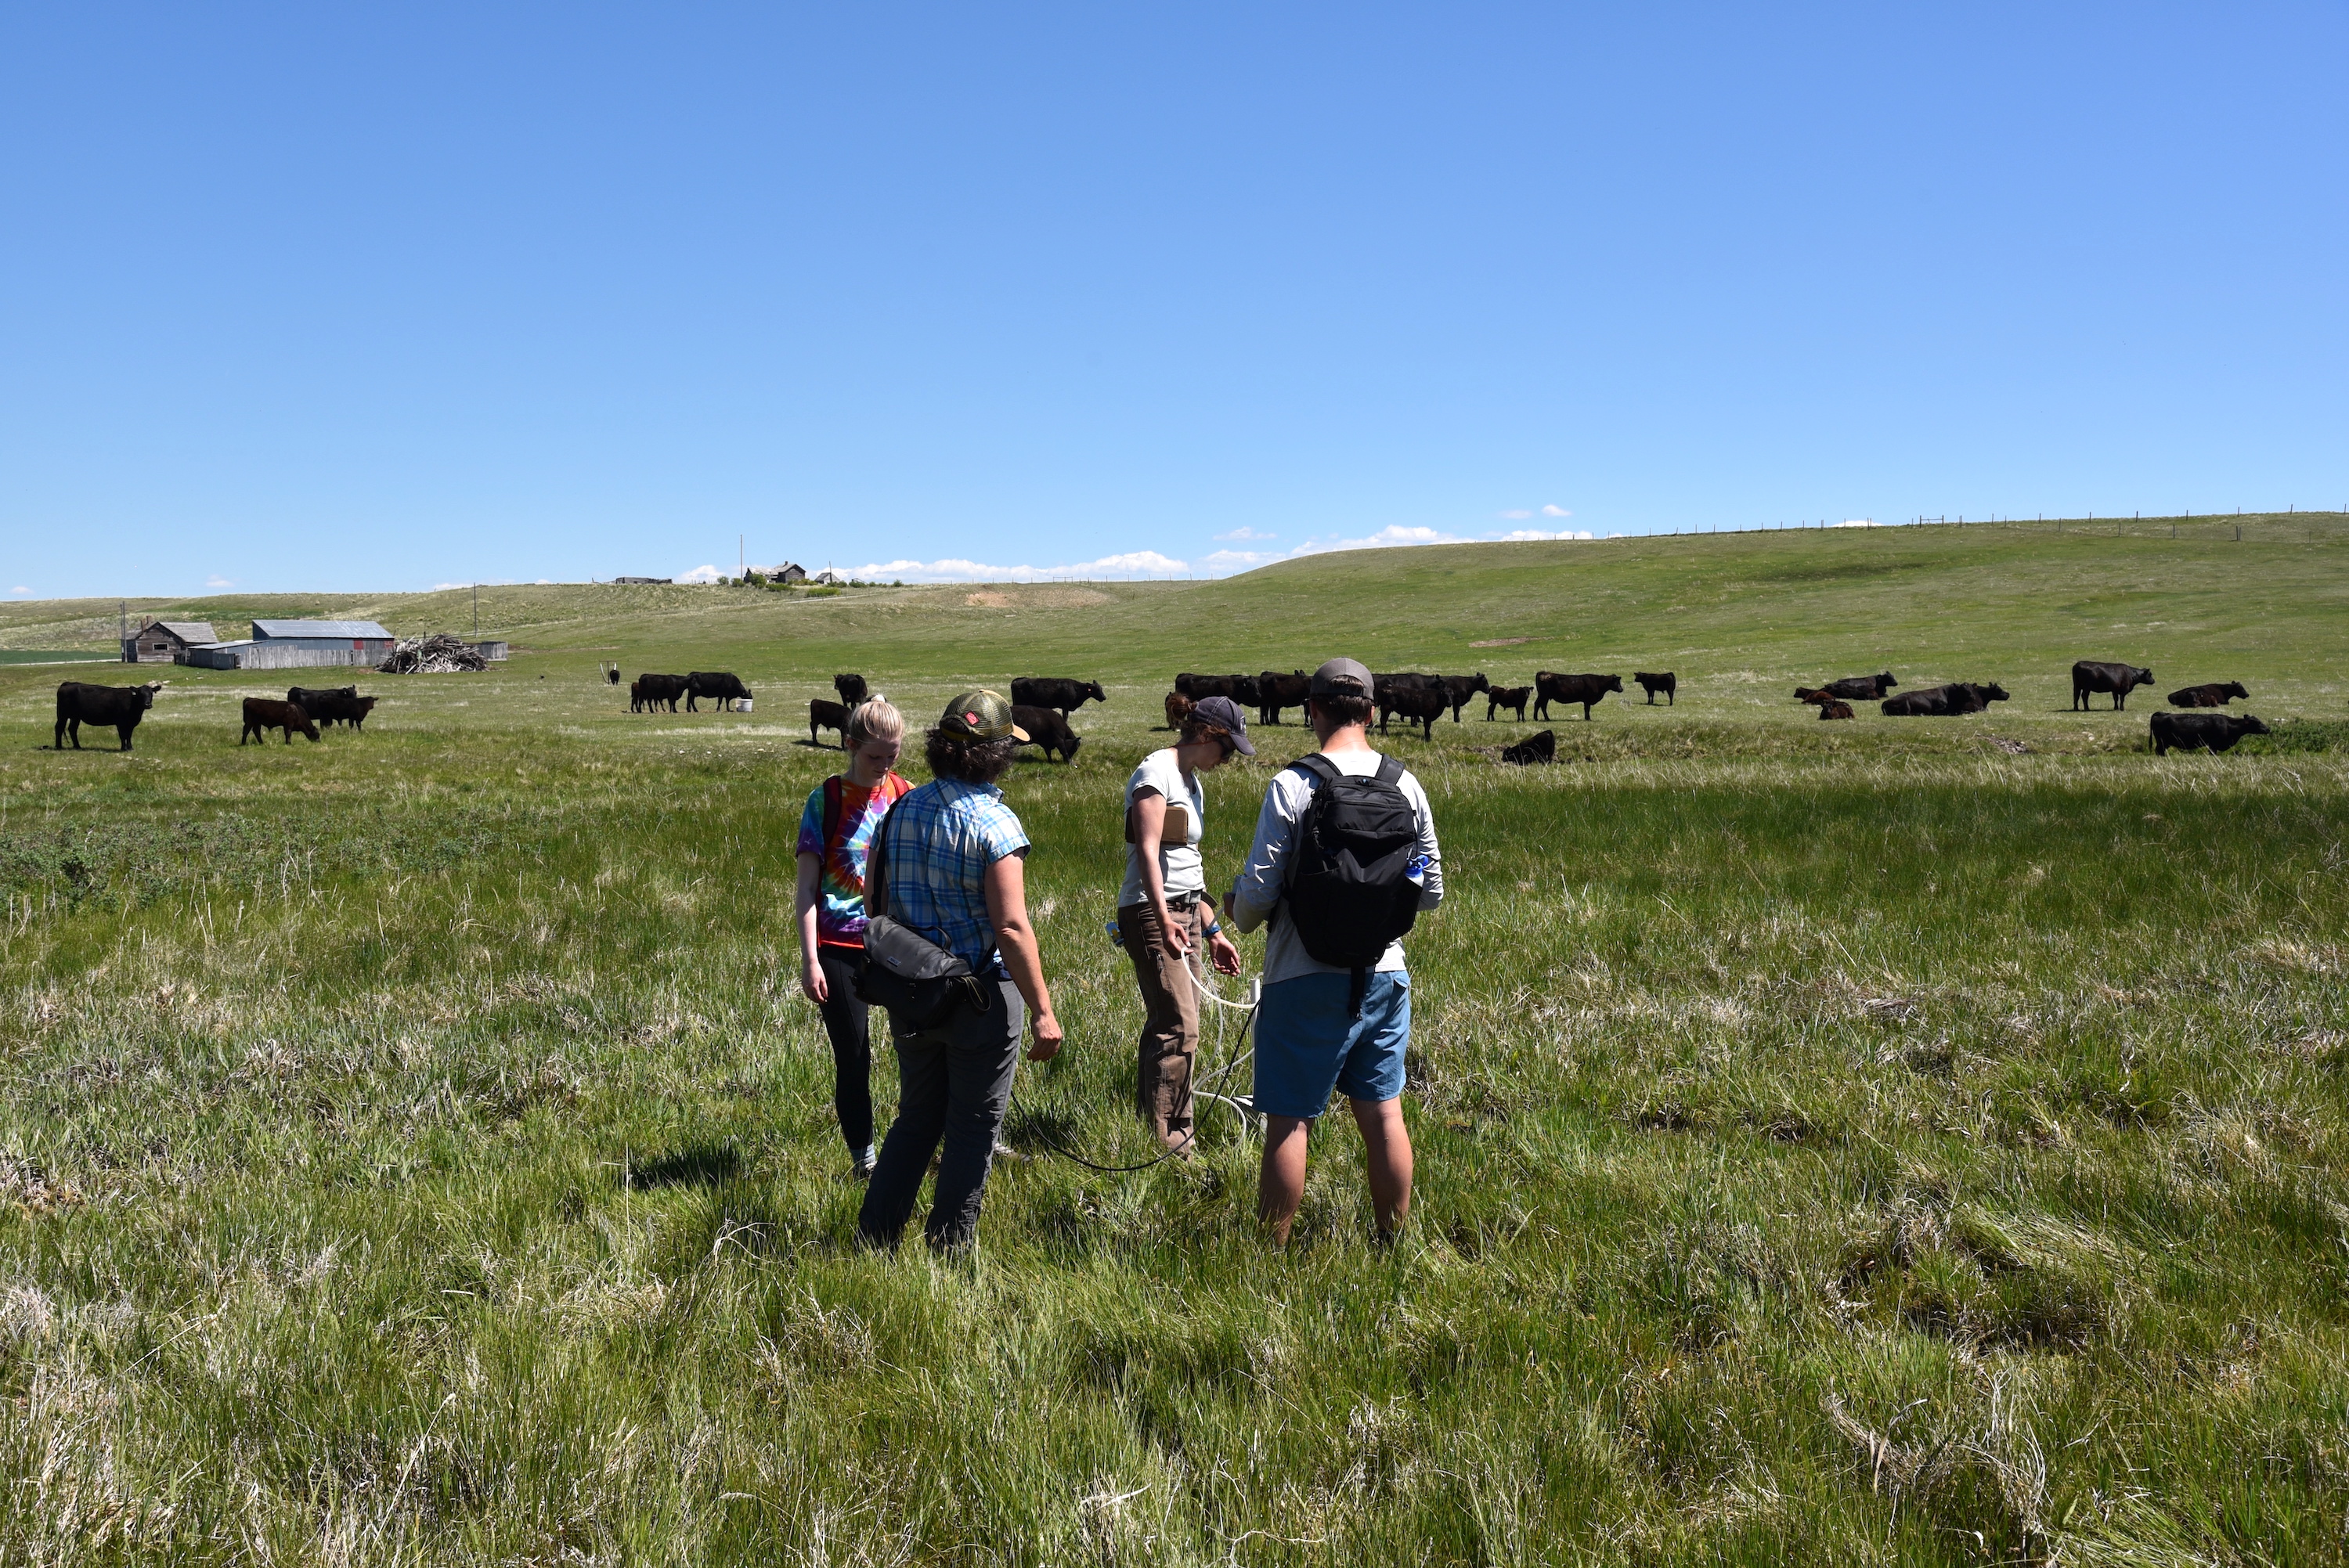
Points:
[1417,869]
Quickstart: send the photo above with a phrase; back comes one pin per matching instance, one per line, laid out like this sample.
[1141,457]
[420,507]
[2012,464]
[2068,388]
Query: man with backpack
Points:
[1345,858]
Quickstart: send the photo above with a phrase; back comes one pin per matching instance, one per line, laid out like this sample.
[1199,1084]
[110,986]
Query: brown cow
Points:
[1833,708]
[1178,709]
[1814,693]
[264,714]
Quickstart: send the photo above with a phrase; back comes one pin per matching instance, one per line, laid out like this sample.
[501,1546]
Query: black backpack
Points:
[1348,886]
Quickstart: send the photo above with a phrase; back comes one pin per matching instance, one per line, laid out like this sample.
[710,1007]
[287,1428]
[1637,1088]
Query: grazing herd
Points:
[1042,705]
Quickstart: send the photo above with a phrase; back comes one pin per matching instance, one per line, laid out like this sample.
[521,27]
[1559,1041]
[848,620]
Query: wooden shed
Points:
[164,641]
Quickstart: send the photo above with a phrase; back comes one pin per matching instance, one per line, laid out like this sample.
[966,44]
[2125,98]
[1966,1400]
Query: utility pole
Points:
[477,609]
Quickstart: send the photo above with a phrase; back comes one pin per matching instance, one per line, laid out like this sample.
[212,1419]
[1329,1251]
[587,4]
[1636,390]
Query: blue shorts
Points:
[1307,1045]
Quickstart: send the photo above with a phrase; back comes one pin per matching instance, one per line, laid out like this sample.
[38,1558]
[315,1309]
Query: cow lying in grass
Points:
[264,714]
[1861,689]
[2217,694]
[1831,708]
[2201,731]
[1945,701]
[1533,749]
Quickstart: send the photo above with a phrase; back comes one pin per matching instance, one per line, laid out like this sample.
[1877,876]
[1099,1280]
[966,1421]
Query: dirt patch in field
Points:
[1035,598]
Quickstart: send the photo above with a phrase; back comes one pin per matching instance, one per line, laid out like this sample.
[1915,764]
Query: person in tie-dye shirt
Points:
[835,835]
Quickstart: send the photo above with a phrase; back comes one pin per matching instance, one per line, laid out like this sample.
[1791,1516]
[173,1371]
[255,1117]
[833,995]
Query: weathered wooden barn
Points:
[298,646]
[162,642]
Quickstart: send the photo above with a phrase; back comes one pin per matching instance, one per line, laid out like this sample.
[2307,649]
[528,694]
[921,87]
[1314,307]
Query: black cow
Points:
[1461,688]
[823,715]
[1861,689]
[2201,731]
[1384,688]
[1814,693]
[1511,698]
[1059,693]
[1241,689]
[1664,682]
[1533,749]
[328,707]
[723,688]
[1047,728]
[1587,690]
[647,693]
[851,688]
[1274,691]
[2090,676]
[264,714]
[80,703]
[2215,694]
[1426,703]
[1949,701]
[612,674]
[1834,708]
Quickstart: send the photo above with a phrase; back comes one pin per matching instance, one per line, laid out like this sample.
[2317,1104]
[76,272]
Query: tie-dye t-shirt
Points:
[840,888]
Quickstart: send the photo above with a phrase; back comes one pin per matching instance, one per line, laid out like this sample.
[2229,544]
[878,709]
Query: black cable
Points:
[1050,1140]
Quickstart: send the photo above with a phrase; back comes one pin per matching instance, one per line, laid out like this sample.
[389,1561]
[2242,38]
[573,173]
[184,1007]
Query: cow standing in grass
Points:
[851,688]
[1274,691]
[264,714]
[1511,698]
[80,703]
[2090,676]
[1424,704]
[1664,681]
[1462,687]
[823,714]
[647,693]
[1048,729]
[1587,690]
[723,688]
[1059,693]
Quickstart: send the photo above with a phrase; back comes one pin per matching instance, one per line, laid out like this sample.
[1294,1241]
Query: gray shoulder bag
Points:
[920,983]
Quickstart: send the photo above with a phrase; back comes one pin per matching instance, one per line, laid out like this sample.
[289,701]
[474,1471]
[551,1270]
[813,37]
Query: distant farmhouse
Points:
[786,574]
[162,642]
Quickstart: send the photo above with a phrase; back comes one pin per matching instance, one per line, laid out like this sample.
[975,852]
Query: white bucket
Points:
[742,704]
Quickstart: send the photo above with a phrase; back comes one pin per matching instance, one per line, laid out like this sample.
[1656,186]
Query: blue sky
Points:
[376,297]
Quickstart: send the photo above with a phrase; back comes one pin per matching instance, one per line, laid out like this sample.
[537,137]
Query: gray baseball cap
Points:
[1341,678]
[1223,711]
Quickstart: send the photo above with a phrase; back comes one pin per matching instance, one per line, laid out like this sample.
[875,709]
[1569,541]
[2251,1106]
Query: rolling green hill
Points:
[1892,1142]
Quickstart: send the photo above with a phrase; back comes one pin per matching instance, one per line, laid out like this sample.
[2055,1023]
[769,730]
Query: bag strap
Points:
[1319,767]
[832,810]
[877,871]
[1390,770]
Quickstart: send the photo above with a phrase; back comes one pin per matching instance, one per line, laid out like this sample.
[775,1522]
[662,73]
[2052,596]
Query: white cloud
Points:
[1243,533]
[20,588]
[1858,523]
[700,574]
[444,587]
[1134,564]
[1554,511]
[1522,535]
[1514,513]
[1239,560]
[217,581]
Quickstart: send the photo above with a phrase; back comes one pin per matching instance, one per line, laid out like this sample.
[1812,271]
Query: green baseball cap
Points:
[982,715]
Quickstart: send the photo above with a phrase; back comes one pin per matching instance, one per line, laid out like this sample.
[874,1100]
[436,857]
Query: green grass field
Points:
[1901,1140]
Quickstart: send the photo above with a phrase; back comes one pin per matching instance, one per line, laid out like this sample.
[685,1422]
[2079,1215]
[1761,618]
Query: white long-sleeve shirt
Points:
[1264,877]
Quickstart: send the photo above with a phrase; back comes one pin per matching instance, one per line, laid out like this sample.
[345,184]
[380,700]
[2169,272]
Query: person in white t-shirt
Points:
[1164,914]
[1320,1027]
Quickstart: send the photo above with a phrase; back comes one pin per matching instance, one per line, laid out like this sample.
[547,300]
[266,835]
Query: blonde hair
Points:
[874,719]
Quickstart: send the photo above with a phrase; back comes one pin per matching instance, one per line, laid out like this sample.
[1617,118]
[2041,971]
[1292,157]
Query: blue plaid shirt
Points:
[942,838]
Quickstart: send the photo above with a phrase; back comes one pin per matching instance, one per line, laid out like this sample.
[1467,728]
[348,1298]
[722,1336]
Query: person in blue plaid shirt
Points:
[954,873]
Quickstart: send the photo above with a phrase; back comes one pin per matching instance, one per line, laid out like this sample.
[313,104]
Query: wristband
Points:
[1215,930]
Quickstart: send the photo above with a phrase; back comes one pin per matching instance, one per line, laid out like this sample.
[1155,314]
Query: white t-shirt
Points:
[1264,877]
[1178,854]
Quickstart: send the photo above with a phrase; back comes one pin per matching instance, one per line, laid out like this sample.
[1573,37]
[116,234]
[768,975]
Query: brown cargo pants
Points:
[1170,1025]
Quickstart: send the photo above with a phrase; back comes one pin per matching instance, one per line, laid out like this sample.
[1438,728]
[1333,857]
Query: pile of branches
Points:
[437,655]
